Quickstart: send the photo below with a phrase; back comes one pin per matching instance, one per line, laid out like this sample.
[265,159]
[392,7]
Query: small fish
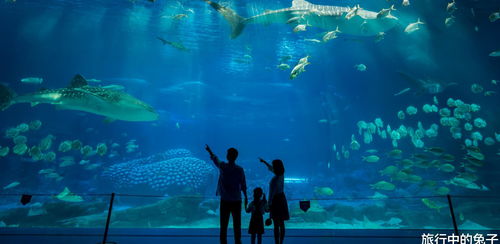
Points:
[489,93]
[420,156]
[371,159]
[299,28]
[11,185]
[494,16]
[475,154]
[407,163]
[294,19]
[46,171]
[84,162]
[323,191]
[360,67]
[312,40]
[449,21]
[94,80]
[435,150]
[413,26]
[428,183]
[323,121]
[283,66]
[389,170]
[451,7]
[406,3]
[378,195]
[4,151]
[402,92]
[179,16]
[395,153]
[177,125]
[67,196]
[447,168]
[385,12]
[380,36]
[435,100]
[331,35]
[383,185]
[32,80]
[448,157]
[443,190]
[176,45]
[494,82]
[299,68]
[474,161]
[433,204]
[495,54]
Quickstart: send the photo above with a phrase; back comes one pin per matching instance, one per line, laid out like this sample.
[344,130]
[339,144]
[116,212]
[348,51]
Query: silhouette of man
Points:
[231,183]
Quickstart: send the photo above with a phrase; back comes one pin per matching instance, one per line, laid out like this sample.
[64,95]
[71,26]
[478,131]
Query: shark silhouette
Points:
[426,86]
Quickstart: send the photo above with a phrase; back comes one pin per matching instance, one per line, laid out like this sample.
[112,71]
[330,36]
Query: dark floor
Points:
[192,236]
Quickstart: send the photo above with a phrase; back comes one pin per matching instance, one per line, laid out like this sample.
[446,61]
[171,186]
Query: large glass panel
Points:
[477,213]
[378,110]
[188,211]
[54,211]
[399,213]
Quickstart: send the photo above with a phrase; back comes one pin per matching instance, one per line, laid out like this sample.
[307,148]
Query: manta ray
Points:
[112,103]
[352,21]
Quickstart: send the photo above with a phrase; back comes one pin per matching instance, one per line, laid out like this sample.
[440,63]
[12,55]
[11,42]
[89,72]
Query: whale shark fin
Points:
[77,81]
[237,22]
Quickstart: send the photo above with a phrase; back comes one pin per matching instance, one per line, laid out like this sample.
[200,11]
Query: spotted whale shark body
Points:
[112,103]
[352,21]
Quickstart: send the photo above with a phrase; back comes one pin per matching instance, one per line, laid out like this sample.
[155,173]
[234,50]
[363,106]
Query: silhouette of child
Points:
[257,207]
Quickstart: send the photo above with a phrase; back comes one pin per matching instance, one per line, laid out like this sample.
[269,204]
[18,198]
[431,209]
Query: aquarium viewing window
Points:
[148,121]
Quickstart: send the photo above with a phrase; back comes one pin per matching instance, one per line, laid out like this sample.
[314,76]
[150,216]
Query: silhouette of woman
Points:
[278,206]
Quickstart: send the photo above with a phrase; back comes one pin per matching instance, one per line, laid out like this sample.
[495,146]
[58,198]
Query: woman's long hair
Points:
[278,167]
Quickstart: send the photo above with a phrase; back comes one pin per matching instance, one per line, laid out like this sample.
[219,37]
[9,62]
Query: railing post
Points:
[452,214]
[109,218]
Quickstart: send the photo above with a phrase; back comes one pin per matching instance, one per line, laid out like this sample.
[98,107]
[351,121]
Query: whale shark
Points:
[111,103]
[350,20]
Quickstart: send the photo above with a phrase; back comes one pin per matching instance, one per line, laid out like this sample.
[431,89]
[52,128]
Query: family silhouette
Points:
[232,183]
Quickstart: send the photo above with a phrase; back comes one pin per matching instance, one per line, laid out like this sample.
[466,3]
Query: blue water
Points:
[229,93]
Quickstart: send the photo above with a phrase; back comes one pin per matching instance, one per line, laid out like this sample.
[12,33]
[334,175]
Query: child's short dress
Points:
[256,225]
